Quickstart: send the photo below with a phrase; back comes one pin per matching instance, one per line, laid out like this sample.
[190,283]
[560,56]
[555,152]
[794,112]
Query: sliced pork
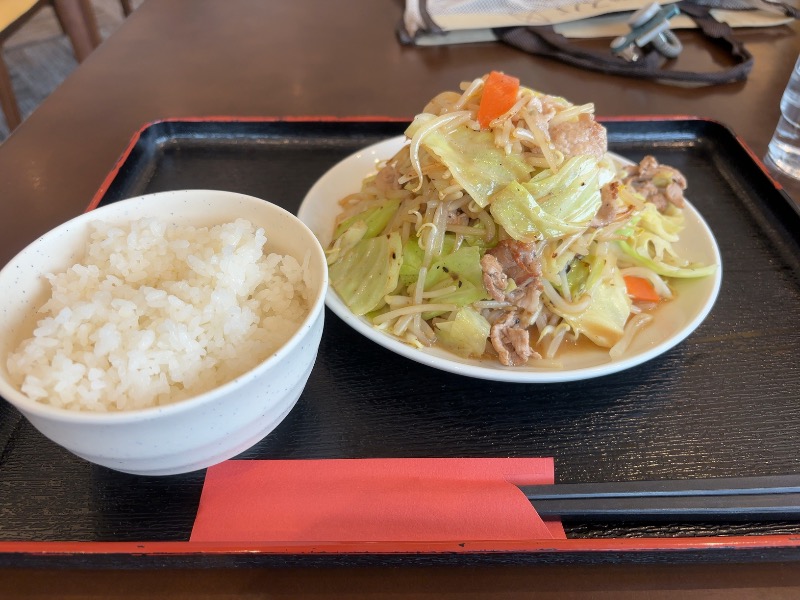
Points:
[518,261]
[511,342]
[580,136]
[660,184]
[608,206]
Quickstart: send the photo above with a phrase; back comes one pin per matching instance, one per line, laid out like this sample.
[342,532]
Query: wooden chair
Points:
[77,20]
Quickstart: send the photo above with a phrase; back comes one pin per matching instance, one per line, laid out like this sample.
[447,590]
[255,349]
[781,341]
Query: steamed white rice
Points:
[158,312]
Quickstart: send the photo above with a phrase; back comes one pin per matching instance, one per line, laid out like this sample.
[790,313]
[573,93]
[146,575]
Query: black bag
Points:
[543,40]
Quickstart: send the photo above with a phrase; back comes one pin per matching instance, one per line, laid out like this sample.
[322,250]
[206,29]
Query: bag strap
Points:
[544,41]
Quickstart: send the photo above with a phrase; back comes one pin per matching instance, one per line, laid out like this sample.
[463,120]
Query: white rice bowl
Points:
[157,312]
[163,333]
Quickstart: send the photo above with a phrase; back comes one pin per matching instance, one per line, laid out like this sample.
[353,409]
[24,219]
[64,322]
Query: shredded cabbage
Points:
[367,272]
[572,193]
[551,205]
[375,218]
[665,269]
[479,166]
[466,334]
[354,234]
[648,242]
[603,321]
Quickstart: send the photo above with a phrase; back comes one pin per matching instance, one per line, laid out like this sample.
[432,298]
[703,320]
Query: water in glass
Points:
[784,149]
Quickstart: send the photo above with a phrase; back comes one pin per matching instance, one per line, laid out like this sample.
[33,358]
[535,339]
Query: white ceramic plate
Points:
[674,321]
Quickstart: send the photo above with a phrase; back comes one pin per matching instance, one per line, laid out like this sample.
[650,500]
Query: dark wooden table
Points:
[182,58]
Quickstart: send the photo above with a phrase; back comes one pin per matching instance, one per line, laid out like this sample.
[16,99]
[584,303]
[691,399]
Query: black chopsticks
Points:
[760,498]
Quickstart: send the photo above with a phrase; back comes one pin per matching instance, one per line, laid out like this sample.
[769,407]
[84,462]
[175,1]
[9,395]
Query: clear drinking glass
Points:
[784,149]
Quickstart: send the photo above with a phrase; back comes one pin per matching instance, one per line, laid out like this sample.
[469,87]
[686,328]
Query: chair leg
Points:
[91,22]
[81,25]
[60,19]
[8,101]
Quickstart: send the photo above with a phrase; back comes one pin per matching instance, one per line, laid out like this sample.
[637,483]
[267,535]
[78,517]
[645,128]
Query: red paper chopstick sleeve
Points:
[366,500]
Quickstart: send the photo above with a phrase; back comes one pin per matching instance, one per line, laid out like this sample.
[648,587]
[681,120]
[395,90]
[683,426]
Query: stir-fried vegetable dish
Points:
[503,229]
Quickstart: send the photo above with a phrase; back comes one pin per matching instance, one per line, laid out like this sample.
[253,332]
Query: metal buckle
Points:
[649,25]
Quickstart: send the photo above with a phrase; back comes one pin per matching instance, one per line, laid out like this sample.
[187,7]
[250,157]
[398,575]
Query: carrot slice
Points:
[499,94]
[640,288]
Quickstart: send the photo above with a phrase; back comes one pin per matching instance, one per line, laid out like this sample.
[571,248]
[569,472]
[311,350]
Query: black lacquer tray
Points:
[725,402]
